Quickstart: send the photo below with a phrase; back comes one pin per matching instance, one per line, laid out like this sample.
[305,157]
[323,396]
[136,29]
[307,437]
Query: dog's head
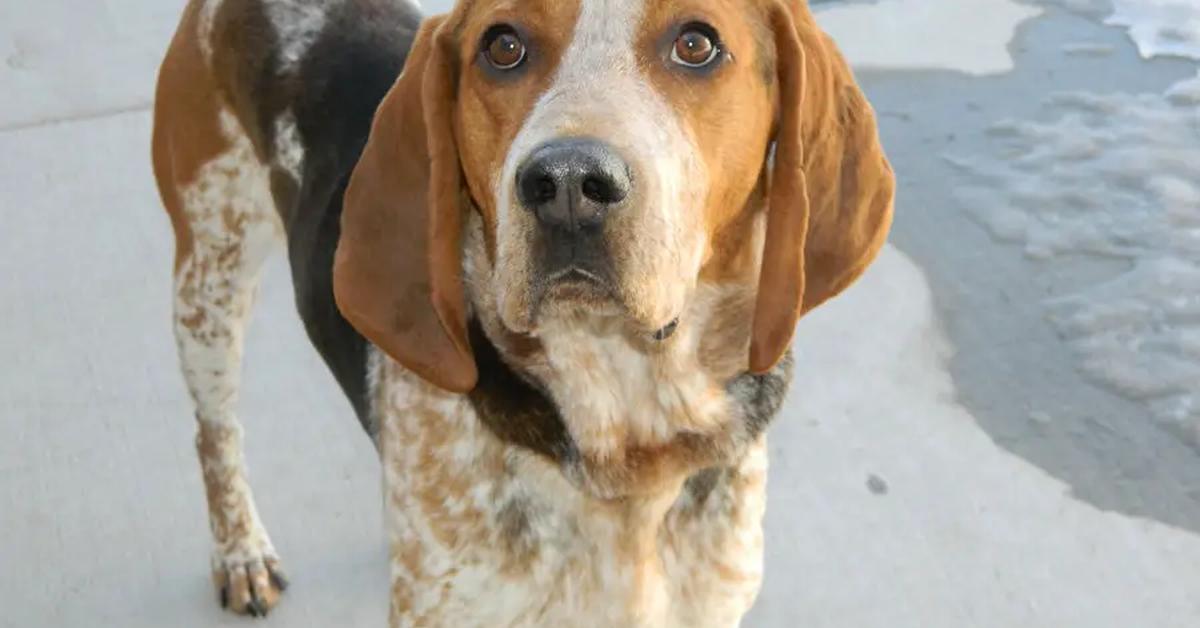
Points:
[612,150]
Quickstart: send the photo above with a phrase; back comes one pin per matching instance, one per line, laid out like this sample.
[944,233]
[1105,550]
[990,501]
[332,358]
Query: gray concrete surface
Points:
[941,461]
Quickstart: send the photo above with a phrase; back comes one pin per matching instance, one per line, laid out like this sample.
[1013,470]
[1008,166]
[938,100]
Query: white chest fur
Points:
[483,533]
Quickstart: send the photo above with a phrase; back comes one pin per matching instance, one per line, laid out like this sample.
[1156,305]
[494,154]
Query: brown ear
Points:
[397,275]
[830,204]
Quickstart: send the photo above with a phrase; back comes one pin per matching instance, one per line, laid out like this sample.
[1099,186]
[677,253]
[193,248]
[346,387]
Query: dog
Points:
[553,251]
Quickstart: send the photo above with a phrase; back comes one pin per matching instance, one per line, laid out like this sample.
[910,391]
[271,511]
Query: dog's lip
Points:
[582,282]
[572,282]
[576,279]
[576,273]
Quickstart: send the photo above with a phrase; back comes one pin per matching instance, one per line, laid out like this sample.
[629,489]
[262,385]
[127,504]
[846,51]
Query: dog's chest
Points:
[483,533]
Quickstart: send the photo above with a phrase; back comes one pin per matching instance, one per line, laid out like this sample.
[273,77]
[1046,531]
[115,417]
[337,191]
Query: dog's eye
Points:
[503,48]
[696,47]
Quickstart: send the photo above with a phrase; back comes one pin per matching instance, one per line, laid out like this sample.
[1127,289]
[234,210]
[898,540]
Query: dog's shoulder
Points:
[303,79]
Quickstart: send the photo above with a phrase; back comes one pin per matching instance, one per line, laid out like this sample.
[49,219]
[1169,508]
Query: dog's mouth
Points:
[573,289]
[579,290]
[575,284]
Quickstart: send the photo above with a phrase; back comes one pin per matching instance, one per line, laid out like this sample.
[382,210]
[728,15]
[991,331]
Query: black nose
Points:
[572,184]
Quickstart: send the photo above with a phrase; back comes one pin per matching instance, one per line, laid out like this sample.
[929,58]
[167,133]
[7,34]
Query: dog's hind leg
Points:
[210,163]
[226,226]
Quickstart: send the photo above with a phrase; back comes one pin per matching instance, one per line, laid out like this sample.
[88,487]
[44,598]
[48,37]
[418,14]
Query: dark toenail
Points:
[279,581]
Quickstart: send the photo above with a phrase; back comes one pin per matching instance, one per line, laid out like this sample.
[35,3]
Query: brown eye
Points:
[503,48]
[696,47]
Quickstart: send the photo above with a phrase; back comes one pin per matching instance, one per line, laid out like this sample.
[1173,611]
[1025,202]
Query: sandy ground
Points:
[946,458]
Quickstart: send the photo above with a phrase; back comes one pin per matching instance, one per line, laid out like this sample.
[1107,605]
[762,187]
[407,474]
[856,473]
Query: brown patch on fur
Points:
[187,130]
[195,321]
[656,470]
[452,526]
[407,555]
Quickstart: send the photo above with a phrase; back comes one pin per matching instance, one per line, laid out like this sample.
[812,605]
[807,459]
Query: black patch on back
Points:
[333,94]
[247,47]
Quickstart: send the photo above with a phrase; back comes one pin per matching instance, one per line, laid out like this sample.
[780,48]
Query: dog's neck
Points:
[624,414]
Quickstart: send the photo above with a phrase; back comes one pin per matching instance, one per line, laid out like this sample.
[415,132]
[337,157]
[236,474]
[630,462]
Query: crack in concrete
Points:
[98,114]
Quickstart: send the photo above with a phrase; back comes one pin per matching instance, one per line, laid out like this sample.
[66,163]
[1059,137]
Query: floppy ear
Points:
[397,275]
[830,202]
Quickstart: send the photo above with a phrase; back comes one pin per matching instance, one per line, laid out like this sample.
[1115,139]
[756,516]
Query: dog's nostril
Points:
[544,190]
[537,187]
[592,189]
[601,190]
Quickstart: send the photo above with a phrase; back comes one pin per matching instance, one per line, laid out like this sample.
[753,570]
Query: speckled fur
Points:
[220,162]
[486,534]
[234,228]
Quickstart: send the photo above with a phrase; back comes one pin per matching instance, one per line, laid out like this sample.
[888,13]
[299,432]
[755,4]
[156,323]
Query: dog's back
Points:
[262,110]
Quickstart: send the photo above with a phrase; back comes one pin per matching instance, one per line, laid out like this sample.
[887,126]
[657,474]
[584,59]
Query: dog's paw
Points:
[249,583]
